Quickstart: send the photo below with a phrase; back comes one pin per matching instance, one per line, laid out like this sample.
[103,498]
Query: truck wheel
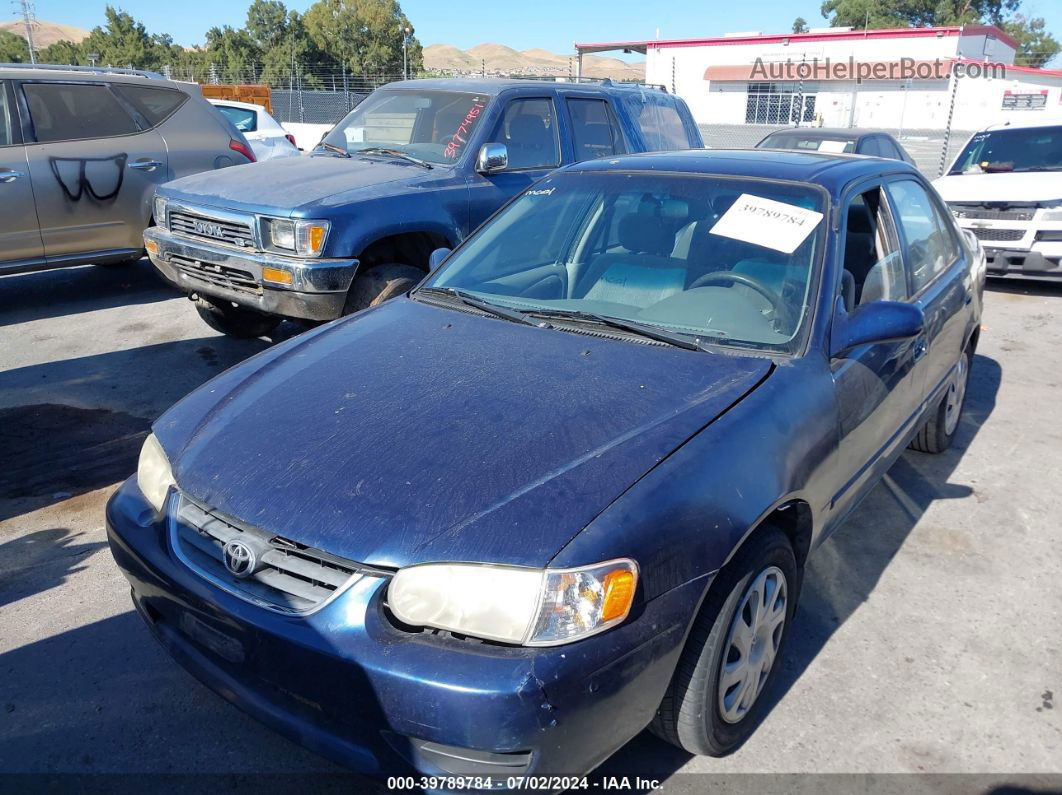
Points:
[938,433]
[718,693]
[235,321]
[380,283]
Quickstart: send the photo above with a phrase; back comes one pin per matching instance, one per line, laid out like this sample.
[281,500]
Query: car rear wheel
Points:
[938,433]
[379,284]
[717,695]
[235,321]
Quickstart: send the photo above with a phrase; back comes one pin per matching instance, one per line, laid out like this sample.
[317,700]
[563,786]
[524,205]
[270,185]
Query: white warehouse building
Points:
[839,77]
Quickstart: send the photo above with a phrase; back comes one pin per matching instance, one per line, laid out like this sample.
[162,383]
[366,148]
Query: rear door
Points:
[939,277]
[529,128]
[20,235]
[595,129]
[95,163]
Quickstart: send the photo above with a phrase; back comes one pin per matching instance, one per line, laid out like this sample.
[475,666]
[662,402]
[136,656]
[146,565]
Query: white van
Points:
[1006,188]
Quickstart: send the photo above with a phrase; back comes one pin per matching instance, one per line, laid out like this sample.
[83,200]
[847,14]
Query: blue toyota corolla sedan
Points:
[566,488]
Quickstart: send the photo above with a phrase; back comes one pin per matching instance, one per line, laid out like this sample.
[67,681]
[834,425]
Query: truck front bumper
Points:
[1043,260]
[317,289]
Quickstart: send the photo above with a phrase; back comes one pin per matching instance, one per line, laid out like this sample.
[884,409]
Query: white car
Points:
[267,138]
[1006,188]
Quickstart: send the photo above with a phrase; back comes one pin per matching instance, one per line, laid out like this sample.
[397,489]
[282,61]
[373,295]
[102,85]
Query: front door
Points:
[20,234]
[528,128]
[94,168]
[877,386]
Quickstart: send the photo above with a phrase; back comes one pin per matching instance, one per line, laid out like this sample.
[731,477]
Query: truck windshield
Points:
[722,261]
[434,126]
[1018,149]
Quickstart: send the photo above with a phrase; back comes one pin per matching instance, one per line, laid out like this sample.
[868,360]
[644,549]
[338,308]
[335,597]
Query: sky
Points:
[549,24]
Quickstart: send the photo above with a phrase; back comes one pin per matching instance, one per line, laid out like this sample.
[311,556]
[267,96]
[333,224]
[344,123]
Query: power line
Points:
[29,19]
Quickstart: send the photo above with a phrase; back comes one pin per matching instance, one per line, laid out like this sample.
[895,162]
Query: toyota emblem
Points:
[240,559]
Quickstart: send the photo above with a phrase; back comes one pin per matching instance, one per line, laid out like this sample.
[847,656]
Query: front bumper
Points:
[1042,261]
[318,287]
[347,683]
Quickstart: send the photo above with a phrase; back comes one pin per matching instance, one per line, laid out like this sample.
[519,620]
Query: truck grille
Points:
[998,235]
[979,211]
[203,227]
[287,577]
[235,279]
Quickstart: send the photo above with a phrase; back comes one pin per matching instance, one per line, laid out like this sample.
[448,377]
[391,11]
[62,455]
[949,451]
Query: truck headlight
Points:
[159,212]
[303,238]
[530,607]
[1053,210]
[153,473]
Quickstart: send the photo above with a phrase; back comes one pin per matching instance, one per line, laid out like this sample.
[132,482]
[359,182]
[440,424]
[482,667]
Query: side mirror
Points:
[437,257]
[492,158]
[878,321]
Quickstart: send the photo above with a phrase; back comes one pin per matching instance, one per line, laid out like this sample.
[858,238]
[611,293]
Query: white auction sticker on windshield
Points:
[766,222]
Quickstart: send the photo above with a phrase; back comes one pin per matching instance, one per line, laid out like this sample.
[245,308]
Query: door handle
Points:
[145,165]
[7,175]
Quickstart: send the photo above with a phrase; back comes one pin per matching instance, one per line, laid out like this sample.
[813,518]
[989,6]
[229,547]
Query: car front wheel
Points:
[717,695]
[381,283]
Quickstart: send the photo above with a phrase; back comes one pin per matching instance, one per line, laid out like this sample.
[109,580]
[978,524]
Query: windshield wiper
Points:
[383,150]
[337,150]
[642,329]
[514,315]
[1039,168]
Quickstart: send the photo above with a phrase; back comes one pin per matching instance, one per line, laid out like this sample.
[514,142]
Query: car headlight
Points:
[530,607]
[160,211]
[153,473]
[304,238]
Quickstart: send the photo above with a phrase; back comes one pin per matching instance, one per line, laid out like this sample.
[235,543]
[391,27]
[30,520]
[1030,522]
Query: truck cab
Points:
[415,167]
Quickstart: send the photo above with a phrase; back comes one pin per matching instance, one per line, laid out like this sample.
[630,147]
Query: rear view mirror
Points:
[878,321]
[492,158]
[437,257]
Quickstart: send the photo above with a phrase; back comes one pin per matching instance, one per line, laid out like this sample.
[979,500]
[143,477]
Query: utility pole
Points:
[405,58]
[29,19]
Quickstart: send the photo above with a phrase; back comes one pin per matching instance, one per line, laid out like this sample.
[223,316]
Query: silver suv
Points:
[81,153]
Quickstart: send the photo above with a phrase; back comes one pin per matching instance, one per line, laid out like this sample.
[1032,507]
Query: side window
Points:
[662,128]
[528,128]
[873,265]
[74,111]
[871,145]
[594,129]
[888,149]
[154,104]
[6,133]
[243,119]
[928,243]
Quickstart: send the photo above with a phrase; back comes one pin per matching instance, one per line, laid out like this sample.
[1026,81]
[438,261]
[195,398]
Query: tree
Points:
[234,54]
[364,35]
[916,13]
[13,48]
[122,42]
[1035,45]
[63,52]
[800,25]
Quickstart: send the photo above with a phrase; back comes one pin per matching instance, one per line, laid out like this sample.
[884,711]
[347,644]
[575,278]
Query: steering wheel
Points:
[729,277]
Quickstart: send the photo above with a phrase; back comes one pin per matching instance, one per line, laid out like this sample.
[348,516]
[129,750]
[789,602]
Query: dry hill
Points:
[499,59]
[46,33]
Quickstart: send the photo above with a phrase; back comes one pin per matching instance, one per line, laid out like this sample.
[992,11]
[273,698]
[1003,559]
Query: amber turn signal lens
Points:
[277,276]
[317,236]
[151,246]
[619,593]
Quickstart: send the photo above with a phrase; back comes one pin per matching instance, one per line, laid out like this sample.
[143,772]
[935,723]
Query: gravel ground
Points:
[928,639]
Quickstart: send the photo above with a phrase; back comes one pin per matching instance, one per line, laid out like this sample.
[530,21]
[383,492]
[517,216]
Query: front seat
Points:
[642,275]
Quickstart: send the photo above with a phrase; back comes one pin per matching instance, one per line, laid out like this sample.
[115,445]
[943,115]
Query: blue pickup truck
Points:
[415,167]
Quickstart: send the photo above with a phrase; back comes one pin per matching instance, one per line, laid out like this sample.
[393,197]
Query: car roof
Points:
[87,74]
[832,171]
[495,85]
[1050,121]
[813,133]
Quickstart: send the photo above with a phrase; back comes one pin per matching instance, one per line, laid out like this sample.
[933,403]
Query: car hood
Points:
[1032,186]
[282,186]
[413,433]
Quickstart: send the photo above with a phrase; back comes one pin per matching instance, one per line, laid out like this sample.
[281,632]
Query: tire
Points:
[939,431]
[235,321]
[695,714]
[379,284]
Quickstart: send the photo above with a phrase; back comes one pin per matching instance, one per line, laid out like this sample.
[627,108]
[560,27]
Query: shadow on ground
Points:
[39,561]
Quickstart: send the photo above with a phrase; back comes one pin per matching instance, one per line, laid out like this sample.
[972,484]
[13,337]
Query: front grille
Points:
[289,577]
[993,214]
[203,227]
[998,234]
[225,276]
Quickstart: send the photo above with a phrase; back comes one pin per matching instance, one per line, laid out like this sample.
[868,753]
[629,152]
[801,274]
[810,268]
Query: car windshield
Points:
[433,126]
[719,260]
[1019,149]
[788,140]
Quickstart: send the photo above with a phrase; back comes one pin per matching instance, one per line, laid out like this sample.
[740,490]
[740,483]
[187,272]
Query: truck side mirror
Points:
[437,257]
[492,158]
